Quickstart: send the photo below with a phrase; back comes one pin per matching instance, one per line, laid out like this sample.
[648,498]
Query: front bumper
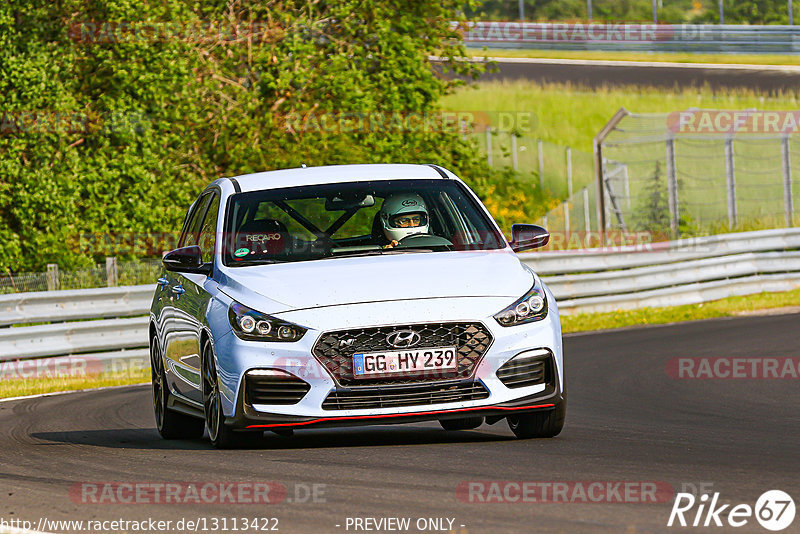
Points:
[236,357]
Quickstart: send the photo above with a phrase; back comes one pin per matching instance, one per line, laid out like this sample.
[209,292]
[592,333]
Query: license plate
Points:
[403,362]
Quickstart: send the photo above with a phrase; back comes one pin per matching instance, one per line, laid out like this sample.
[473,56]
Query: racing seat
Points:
[377,231]
[264,237]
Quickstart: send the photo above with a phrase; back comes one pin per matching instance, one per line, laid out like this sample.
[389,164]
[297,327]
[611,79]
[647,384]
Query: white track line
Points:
[9,399]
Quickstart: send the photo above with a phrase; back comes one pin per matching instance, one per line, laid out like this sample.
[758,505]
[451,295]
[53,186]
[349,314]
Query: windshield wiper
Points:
[400,250]
[355,253]
[266,261]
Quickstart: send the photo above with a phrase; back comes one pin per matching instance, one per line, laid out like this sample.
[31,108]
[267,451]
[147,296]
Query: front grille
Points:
[334,350]
[524,371]
[277,389]
[406,395]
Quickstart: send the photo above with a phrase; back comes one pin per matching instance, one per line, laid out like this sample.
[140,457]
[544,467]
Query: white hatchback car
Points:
[351,295]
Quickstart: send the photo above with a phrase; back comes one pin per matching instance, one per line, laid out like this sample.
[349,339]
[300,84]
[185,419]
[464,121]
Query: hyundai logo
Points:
[403,338]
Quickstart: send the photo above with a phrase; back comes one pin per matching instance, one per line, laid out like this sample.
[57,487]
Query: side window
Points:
[191,219]
[208,232]
[194,225]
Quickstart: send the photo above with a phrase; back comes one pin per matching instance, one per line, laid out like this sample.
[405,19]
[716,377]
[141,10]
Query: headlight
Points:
[530,308]
[255,326]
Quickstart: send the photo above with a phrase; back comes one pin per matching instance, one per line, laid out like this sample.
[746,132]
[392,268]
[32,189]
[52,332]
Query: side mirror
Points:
[528,236]
[186,260]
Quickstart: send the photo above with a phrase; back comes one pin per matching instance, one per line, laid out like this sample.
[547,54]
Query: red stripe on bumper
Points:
[391,415]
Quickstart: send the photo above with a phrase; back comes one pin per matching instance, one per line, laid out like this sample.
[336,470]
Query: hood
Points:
[340,281]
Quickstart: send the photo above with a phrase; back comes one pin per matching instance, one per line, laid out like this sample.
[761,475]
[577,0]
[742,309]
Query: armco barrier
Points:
[73,338]
[668,252]
[738,38]
[50,306]
[661,274]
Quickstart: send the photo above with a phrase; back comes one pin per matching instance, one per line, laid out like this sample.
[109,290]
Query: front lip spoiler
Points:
[400,417]
[247,419]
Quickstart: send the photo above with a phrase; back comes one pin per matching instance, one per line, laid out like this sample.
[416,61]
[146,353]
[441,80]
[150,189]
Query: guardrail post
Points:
[111,271]
[672,188]
[53,283]
[569,172]
[730,175]
[540,148]
[787,181]
[489,144]
[514,161]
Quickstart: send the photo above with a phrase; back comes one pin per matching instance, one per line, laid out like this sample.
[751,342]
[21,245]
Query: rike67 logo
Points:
[774,510]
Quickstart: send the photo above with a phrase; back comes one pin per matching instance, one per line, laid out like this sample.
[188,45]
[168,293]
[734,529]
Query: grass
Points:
[728,307]
[570,115]
[35,386]
[668,57]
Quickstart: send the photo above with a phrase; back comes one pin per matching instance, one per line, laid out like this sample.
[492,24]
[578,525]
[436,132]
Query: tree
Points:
[653,214]
[220,89]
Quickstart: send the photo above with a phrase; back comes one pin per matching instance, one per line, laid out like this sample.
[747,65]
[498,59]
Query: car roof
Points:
[332,174]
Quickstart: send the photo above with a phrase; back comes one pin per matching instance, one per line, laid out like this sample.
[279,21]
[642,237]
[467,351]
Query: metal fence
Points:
[109,275]
[573,222]
[660,177]
[555,168]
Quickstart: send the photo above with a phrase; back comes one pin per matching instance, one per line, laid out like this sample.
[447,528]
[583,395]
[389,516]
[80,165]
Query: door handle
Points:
[163,281]
[178,290]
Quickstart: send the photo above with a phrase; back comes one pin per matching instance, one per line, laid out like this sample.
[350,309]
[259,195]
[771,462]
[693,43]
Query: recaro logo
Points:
[774,510]
[260,238]
[403,339]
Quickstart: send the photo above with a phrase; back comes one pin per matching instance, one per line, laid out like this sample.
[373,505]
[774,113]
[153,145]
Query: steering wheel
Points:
[425,240]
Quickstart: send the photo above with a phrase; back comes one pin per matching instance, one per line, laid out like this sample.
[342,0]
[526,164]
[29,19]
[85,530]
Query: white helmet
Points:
[398,216]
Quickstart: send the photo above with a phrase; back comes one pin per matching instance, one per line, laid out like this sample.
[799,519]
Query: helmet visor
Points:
[408,220]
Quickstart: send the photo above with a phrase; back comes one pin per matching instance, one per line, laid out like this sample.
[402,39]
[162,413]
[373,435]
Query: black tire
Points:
[467,423]
[545,424]
[222,435]
[170,424]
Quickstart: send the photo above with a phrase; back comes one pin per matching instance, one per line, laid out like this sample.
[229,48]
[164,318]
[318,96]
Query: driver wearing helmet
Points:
[403,215]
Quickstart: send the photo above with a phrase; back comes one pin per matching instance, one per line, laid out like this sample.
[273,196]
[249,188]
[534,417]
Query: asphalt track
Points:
[760,78]
[627,421]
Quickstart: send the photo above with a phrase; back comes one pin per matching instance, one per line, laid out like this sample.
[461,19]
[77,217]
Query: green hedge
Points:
[106,131]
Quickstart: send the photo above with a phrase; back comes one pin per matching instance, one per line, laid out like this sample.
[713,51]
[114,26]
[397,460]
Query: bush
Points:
[155,119]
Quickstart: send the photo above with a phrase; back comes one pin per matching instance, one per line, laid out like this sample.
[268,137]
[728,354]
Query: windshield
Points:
[354,219]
